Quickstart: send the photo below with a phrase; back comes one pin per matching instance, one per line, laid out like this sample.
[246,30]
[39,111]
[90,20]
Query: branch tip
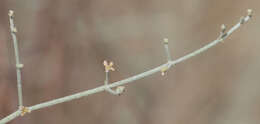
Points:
[166,47]
[165,41]
[11,13]
[223,28]
[249,12]
[109,66]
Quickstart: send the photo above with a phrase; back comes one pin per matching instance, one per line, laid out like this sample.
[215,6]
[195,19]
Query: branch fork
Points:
[24,110]
[168,54]
[120,89]
[223,33]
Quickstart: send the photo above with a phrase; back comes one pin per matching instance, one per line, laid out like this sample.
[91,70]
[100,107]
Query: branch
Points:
[221,38]
[10,117]
[136,77]
[120,89]
[19,66]
[162,68]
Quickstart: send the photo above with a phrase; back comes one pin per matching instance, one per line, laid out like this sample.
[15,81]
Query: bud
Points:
[165,40]
[249,12]
[223,28]
[11,13]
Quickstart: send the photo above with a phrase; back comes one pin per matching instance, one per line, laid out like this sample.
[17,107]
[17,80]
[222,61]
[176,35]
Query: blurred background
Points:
[63,44]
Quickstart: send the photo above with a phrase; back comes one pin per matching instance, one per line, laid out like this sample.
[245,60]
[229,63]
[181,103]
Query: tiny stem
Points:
[16,51]
[167,51]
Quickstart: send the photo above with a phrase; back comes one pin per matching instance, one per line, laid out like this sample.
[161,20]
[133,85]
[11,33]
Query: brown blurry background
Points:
[64,42]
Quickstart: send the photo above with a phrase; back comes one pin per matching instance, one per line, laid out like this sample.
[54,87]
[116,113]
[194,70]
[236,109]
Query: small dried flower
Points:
[109,66]
[11,13]
[249,12]
[24,110]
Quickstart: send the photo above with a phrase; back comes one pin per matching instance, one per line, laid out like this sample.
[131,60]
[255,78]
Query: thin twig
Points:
[213,43]
[166,47]
[133,78]
[106,84]
[127,80]
[10,117]
[19,66]
[108,67]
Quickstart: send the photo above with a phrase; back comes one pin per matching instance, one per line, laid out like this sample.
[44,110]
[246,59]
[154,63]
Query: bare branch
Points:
[136,77]
[213,43]
[109,67]
[19,66]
